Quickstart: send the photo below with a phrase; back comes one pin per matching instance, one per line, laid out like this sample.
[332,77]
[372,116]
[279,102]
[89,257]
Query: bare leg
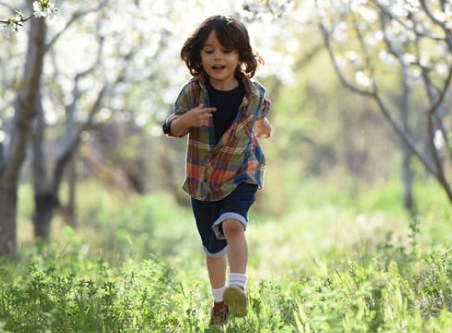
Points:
[237,246]
[216,267]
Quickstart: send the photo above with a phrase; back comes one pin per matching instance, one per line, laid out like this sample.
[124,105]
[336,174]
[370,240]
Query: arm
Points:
[263,127]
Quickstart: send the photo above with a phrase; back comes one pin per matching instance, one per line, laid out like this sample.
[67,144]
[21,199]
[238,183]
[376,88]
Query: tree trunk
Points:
[8,202]
[408,180]
[70,209]
[407,155]
[21,130]
[45,203]
[45,200]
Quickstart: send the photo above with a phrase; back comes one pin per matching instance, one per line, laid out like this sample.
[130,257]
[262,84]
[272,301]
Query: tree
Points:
[398,55]
[13,155]
[117,77]
[117,73]
[47,188]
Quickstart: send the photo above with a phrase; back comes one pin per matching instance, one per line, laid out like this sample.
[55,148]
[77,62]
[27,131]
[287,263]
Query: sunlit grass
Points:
[135,265]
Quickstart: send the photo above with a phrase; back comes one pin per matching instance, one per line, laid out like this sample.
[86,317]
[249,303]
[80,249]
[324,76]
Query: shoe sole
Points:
[235,298]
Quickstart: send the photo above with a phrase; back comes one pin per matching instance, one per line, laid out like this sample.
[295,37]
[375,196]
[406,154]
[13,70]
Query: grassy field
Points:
[328,264]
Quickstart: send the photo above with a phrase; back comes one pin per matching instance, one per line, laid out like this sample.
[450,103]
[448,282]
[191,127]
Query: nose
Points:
[217,55]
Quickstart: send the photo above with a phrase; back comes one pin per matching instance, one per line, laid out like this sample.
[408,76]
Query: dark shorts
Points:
[210,215]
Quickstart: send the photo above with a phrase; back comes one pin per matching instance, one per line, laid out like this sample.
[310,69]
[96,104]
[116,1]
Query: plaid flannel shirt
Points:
[213,170]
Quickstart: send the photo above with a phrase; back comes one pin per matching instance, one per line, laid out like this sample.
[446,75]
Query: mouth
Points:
[218,67]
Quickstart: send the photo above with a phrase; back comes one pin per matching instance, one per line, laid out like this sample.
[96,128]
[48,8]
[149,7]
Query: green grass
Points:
[390,292]
[136,265]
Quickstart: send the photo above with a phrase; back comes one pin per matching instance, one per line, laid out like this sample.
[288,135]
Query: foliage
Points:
[410,41]
[70,294]
[328,265]
[388,290]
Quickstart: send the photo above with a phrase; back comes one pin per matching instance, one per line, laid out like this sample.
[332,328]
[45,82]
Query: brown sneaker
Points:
[235,298]
[219,313]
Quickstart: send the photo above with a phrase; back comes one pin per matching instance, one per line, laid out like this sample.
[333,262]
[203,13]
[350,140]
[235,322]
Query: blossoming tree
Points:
[13,155]
[120,61]
[398,53]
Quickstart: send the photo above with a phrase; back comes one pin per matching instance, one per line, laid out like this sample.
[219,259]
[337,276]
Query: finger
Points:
[209,109]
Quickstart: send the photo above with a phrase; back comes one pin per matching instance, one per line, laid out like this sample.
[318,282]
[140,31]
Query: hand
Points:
[263,128]
[195,117]
[198,116]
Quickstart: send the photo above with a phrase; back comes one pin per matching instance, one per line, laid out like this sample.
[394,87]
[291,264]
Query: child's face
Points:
[219,63]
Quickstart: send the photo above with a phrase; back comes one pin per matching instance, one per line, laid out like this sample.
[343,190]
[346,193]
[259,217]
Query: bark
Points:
[8,236]
[70,209]
[408,181]
[407,155]
[45,199]
[21,130]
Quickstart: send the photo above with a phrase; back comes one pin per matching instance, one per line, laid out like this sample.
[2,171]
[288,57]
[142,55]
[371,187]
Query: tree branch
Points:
[74,19]
[367,58]
[409,141]
[17,22]
[72,145]
[342,78]
[440,23]
[407,27]
[69,150]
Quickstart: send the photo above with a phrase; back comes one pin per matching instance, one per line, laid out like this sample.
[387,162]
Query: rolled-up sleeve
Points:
[181,105]
[265,109]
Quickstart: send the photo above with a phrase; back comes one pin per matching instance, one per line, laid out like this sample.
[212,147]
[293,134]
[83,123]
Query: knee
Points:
[231,227]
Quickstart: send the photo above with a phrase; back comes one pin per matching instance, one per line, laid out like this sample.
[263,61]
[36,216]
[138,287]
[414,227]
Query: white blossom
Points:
[374,38]
[8,30]
[387,57]
[409,58]
[340,33]
[44,10]
[412,5]
[438,140]
[442,68]
[353,59]
[362,79]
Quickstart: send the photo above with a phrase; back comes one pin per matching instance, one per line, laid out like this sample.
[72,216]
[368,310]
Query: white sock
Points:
[217,293]
[238,279]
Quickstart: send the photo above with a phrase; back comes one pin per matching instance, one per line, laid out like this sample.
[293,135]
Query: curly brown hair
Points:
[232,35]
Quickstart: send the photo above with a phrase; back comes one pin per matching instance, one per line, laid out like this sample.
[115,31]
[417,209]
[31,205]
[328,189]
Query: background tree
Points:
[13,155]
[119,67]
[399,55]
[109,78]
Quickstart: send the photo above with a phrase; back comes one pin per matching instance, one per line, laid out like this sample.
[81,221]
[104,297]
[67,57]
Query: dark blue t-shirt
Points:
[227,104]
